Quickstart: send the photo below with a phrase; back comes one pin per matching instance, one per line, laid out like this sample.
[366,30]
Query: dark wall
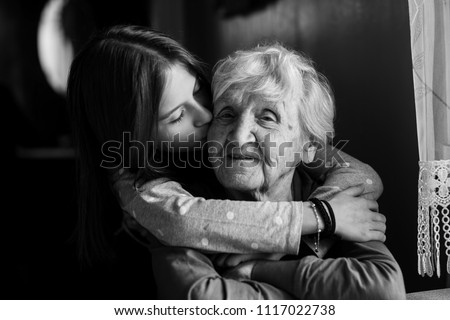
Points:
[38,252]
[363,48]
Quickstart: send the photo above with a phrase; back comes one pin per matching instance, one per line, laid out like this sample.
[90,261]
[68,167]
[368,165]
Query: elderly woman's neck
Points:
[281,190]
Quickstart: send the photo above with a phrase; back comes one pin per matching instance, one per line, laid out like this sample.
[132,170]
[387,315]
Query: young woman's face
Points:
[184,114]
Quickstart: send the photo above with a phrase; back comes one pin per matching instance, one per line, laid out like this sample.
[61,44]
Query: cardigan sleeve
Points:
[182,273]
[177,218]
[337,171]
[350,271]
[365,271]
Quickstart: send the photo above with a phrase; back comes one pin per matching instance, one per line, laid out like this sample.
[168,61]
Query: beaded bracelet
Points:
[325,217]
[316,242]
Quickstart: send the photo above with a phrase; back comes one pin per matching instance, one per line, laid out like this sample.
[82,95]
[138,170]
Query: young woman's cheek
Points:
[182,132]
[168,133]
[163,132]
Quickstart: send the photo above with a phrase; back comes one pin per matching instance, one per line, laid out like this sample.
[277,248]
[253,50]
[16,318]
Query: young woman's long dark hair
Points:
[115,86]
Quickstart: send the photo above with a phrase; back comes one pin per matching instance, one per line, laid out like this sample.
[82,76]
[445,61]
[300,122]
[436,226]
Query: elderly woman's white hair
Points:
[274,73]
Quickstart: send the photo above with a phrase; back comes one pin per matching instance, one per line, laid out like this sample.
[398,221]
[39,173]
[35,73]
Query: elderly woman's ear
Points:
[309,152]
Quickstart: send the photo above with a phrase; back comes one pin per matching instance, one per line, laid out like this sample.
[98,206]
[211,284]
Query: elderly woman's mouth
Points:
[247,158]
[241,158]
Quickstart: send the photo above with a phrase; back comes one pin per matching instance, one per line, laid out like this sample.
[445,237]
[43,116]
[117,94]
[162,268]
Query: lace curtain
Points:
[430,45]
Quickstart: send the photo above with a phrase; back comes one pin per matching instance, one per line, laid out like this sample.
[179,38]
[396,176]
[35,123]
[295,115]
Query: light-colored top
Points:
[177,218]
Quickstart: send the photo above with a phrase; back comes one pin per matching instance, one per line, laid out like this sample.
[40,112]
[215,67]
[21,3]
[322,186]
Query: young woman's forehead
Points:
[179,83]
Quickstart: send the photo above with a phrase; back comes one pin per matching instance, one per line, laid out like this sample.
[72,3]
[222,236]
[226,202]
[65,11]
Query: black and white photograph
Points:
[225,150]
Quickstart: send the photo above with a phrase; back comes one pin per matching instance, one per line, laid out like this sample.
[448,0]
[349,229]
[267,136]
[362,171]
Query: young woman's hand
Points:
[357,219]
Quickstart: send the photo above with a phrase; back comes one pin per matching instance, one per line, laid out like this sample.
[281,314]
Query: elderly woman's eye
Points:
[225,114]
[269,116]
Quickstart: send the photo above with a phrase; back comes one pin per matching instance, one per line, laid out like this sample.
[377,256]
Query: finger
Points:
[219,259]
[235,259]
[378,226]
[377,236]
[372,205]
[379,217]
[354,191]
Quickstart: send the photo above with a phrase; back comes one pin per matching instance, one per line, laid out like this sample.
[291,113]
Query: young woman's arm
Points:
[349,227]
[339,171]
[177,218]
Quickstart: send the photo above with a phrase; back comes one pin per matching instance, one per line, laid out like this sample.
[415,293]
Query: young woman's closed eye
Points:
[184,109]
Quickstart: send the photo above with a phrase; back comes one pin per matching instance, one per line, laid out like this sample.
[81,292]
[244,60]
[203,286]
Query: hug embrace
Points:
[270,213]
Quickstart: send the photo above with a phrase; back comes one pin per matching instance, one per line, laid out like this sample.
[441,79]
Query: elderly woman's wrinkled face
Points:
[254,144]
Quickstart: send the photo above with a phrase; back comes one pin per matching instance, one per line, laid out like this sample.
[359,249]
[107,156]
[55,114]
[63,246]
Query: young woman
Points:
[133,82]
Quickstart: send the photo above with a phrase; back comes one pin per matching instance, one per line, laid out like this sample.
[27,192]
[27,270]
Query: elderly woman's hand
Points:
[229,260]
[357,219]
[242,271]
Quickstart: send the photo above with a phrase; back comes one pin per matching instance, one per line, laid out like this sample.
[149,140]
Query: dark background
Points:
[362,46]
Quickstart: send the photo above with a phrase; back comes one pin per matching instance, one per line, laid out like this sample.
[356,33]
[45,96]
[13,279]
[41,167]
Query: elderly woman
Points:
[269,106]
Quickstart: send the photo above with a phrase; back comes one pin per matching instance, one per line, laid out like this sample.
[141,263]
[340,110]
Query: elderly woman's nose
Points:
[202,116]
[242,132]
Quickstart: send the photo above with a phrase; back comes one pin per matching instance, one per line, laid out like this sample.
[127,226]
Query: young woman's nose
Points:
[202,116]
